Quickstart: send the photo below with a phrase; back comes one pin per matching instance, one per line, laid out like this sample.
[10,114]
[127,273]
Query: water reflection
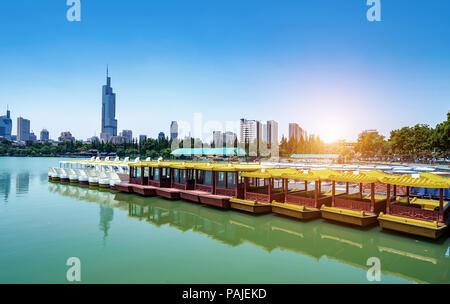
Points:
[22,182]
[415,260]
[5,185]
[43,177]
[106,217]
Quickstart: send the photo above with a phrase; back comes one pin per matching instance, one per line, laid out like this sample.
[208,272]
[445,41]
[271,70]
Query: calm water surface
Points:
[122,238]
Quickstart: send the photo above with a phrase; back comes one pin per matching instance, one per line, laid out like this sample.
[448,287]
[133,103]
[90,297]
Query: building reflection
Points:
[417,260]
[22,182]
[5,185]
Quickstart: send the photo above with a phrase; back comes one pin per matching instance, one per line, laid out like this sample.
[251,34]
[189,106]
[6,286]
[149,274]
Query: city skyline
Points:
[362,76]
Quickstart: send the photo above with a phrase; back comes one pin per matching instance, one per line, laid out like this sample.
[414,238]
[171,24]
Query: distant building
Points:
[109,122]
[173,130]
[128,134]
[142,138]
[118,139]
[263,133]
[105,137]
[365,132]
[93,139]
[250,130]
[23,129]
[217,139]
[45,135]
[295,132]
[33,137]
[272,132]
[161,136]
[66,136]
[229,138]
[6,125]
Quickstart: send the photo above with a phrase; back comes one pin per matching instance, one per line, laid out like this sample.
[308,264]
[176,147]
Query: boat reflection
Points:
[423,261]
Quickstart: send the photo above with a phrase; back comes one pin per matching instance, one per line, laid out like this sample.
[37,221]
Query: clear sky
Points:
[319,63]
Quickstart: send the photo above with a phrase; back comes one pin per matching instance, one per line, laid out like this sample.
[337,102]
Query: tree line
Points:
[153,148]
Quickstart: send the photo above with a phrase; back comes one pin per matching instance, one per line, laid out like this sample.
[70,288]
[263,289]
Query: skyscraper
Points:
[161,136]
[272,132]
[23,129]
[173,130]
[6,125]
[250,131]
[295,132]
[109,122]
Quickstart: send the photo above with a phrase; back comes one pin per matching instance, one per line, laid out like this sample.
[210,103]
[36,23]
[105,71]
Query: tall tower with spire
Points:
[109,121]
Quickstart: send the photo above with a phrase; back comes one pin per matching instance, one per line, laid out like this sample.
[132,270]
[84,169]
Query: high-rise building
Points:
[272,132]
[128,135]
[173,130]
[66,136]
[45,135]
[6,125]
[229,138]
[23,129]
[142,138]
[295,132]
[161,136]
[109,122]
[263,134]
[250,130]
[217,139]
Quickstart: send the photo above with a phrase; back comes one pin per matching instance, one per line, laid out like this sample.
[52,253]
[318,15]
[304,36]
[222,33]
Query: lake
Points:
[125,238]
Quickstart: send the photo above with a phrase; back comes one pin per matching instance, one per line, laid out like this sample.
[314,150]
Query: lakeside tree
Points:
[441,136]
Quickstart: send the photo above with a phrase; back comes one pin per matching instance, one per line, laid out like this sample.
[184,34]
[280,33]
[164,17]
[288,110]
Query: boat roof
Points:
[209,151]
[422,180]
[311,175]
[205,166]
[270,172]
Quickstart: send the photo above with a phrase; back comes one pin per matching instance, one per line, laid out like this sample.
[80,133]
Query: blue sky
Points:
[319,63]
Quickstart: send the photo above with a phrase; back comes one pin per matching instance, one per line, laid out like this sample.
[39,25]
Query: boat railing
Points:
[226,192]
[352,203]
[414,213]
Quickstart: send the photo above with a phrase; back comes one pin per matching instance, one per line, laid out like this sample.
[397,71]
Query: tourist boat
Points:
[355,208]
[304,204]
[260,188]
[217,184]
[418,216]
[211,184]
